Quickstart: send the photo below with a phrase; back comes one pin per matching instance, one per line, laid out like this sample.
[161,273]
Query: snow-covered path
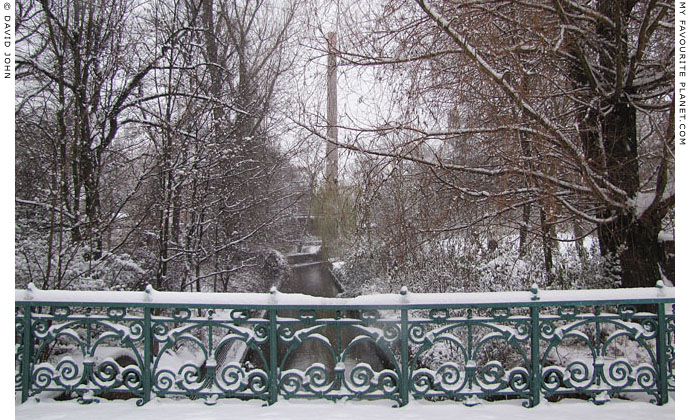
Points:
[324,410]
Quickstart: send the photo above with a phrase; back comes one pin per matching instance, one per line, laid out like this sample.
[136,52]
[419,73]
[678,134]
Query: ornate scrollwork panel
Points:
[202,356]
[459,354]
[86,351]
[598,353]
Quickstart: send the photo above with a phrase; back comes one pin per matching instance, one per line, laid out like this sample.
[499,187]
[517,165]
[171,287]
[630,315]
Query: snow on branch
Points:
[605,191]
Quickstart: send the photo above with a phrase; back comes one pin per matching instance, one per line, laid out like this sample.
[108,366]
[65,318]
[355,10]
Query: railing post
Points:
[661,346]
[148,355]
[535,377]
[28,353]
[404,362]
[273,358]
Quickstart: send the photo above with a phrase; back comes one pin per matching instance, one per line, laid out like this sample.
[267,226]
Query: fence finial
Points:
[30,288]
[403,290]
[535,291]
[660,284]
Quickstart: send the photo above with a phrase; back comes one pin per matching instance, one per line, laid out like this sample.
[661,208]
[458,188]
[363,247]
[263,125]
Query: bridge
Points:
[532,345]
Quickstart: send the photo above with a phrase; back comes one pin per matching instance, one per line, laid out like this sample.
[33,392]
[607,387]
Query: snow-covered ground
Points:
[324,410]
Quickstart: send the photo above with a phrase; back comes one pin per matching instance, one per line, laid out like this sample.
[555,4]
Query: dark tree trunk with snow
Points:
[633,235]
[635,241]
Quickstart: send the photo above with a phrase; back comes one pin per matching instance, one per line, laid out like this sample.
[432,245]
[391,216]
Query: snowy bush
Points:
[465,264]
[36,261]
[360,272]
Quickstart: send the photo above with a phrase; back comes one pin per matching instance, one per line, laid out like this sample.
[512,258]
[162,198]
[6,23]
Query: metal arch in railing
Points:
[466,347]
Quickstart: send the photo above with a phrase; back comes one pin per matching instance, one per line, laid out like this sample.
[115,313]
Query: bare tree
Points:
[569,107]
[81,63]
[159,122]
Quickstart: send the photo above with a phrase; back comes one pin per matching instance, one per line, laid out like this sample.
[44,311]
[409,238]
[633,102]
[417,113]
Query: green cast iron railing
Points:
[531,345]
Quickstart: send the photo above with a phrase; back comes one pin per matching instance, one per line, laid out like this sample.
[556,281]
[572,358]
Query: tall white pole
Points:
[332,112]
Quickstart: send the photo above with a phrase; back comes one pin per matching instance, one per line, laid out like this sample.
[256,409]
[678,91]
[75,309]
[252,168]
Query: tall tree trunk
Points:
[524,228]
[634,241]
[578,233]
[547,245]
[609,138]
[212,57]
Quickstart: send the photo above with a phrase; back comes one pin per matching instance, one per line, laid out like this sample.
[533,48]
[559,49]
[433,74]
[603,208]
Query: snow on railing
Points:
[532,344]
[278,299]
